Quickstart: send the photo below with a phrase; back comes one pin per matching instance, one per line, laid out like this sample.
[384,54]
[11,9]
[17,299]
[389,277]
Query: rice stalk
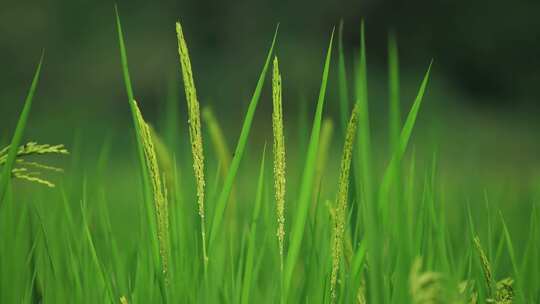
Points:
[342,198]
[123,300]
[279,157]
[159,191]
[195,134]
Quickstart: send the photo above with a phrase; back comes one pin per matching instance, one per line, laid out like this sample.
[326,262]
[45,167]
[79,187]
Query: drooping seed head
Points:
[158,190]
[29,170]
[486,267]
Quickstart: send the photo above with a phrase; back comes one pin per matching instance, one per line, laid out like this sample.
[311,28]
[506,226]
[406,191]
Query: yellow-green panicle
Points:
[279,157]
[158,189]
[342,197]
[195,134]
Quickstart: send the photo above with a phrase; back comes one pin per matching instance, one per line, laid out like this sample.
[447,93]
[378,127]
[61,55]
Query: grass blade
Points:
[342,82]
[364,137]
[252,247]
[145,177]
[393,79]
[403,141]
[221,148]
[131,101]
[218,140]
[19,130]
[240,148]
[363,175]
[297,231]
[512,254]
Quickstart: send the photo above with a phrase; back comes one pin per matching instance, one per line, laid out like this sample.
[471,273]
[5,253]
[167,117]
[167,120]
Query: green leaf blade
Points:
[297,230]
[19,131]
[239,151]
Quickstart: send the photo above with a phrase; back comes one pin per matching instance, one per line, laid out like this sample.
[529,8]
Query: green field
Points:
[310,210]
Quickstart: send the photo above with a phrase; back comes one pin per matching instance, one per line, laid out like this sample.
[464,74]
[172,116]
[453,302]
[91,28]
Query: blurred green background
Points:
[480,113]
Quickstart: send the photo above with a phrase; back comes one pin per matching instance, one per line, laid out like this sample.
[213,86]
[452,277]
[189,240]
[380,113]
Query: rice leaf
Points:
[512,254]
[363,176]
[239,151]
[252,246]
[221,148]
[342,82]
[325,143]
[297,231]
[403,141]
[144,174]
[19,130]
[393,92]
[218,140]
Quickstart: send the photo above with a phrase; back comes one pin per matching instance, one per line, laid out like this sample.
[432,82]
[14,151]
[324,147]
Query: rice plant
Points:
[340,213]
[30,170]
[17,136]
[279,157]
[340,221]
[195,134]
[159,191]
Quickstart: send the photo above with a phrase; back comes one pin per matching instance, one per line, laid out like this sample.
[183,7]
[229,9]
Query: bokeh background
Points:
[480,113]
